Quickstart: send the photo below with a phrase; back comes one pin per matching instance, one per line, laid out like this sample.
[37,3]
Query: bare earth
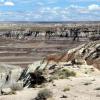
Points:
[81,87]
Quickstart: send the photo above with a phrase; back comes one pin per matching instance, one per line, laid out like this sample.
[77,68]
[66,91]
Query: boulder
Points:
[9,75]
[17,86]
[6,91]
[32,75]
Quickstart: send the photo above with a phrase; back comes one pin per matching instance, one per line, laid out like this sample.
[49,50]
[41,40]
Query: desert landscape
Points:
[51,61]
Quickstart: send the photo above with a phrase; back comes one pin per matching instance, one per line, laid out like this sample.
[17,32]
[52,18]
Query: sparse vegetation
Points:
[98,88]
[63,96]
[65,73]
[97,95]
[86,72]
[87,83]
[92,69]
[62,74]
[44,94]
[66,89]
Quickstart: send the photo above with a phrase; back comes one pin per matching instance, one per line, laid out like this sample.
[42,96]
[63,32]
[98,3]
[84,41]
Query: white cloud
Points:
[45,11]
[94,7]
[84,9]
[9,3]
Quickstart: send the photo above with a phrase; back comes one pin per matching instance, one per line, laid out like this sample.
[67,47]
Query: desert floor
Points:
[85,86]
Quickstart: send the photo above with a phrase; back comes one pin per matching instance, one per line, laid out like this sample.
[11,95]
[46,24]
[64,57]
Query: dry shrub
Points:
[66,89]
[62,74]
[65,73]
[44,94]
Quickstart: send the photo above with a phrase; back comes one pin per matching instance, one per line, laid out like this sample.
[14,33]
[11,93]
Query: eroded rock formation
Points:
[89,53]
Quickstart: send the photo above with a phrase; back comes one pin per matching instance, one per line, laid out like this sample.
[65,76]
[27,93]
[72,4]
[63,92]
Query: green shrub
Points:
[65,73]
[62,74]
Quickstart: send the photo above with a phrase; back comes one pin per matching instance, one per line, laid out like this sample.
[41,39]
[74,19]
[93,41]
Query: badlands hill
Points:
[86,53]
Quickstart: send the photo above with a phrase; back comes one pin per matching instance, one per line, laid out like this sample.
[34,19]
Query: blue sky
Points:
[49,10]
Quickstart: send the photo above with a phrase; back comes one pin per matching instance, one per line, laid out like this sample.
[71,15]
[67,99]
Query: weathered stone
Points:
[89,53]
[32,77]
[6,91]
[17,86]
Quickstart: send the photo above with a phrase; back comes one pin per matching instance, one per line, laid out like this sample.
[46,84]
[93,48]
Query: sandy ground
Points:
[81,87]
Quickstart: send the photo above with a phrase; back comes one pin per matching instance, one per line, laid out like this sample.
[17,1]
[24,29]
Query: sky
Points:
[49,10]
